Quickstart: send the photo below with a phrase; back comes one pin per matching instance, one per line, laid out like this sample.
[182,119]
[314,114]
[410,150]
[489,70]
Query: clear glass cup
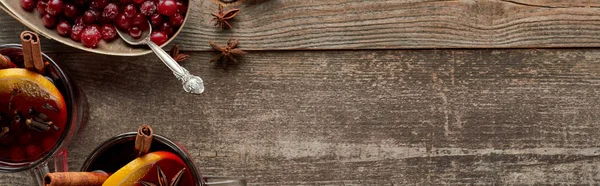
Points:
[76,104]
[113,154]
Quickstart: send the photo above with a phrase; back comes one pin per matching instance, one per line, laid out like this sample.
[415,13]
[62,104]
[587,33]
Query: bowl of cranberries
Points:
[91,25]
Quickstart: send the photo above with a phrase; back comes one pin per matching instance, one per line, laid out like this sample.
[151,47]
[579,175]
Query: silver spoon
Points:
[192,84]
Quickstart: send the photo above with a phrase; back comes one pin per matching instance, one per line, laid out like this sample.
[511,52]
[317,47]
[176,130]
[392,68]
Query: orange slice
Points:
[130,174]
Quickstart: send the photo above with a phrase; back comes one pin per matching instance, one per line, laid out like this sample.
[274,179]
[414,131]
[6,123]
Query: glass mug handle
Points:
[224,181]
[60,165]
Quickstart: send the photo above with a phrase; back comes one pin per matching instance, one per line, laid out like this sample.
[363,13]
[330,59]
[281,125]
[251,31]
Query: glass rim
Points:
[70,101]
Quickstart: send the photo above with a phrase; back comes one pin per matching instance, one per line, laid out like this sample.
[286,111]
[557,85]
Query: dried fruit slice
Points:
[130,174]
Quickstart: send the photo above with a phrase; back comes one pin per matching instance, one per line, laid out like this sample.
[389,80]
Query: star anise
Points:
[162,178]
[176,55]
[227,53]
[222,18]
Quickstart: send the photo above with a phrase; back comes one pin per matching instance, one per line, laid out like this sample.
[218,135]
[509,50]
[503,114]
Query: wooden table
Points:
[364,92]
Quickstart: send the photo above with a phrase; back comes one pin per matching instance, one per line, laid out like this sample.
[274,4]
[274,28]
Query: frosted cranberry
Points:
[41,7]
[63,28]
[99,4]
[28,4]
[76,32]
[90,16]
[123,22]
[70,11]
[54,7]
[130,10]
[176,20]
[135,32]
[167,7]
[181,6]
[138,20]
[156,20]
[167,28]
[138,1]
[95,26]
[90,37]
[109,32]
[159,37]
[110,12]
[49,21]
[79,20]
[148,8]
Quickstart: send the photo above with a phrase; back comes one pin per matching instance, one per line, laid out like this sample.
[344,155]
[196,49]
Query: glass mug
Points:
[112,154]
[76,105]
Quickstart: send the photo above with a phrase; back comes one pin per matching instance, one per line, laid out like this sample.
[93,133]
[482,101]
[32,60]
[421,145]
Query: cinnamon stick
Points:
[143,140]
[75,178]
[6,63]
[32,51]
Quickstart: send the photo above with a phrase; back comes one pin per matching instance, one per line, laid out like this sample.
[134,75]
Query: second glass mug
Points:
[103,158]
[76,105]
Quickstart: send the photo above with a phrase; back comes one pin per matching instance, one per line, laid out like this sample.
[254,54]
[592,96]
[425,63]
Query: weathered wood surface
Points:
[361,117]
[393,24]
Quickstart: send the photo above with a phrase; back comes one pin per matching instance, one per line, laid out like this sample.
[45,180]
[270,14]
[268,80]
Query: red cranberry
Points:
[138,20]
[90,16]
[176,20]
[54,7]
[159,37]
[135,32]
[181,6]
[138,1]
[156,20]
[28,4]
[110,12]
[99,4]
[148,8]
[33,151]
[108,32]
[76,32]
[41,7]
[70,11]
[130,10]
[167,28]
[63,28]
[167,7]
[49,21]
[123,22]
[90,37]
[79,20]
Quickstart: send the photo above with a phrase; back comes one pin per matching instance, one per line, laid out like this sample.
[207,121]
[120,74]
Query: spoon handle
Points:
[178,70]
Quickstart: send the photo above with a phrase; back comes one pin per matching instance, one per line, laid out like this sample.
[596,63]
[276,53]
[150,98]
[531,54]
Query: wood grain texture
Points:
[392,24]
[361,117]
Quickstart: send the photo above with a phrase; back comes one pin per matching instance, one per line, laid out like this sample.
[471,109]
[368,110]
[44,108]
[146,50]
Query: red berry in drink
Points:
[54,7]
[48,143]
[49,21]
[148,8]
[156,19]
[123,22]
[167,7]
[24,139]
[176,20]
[167,28]
[41,7]
[70,11]
[90,37]
[76,32]
[16,154]
[110,12]
[28,5]
[33,152]
[109,32]
[158,37]
[99,4]
[90,16]
[135,32]
[130,10]
[63,28]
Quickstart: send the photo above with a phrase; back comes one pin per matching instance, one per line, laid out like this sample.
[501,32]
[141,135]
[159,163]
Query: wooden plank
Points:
[392,24]
[362,117]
